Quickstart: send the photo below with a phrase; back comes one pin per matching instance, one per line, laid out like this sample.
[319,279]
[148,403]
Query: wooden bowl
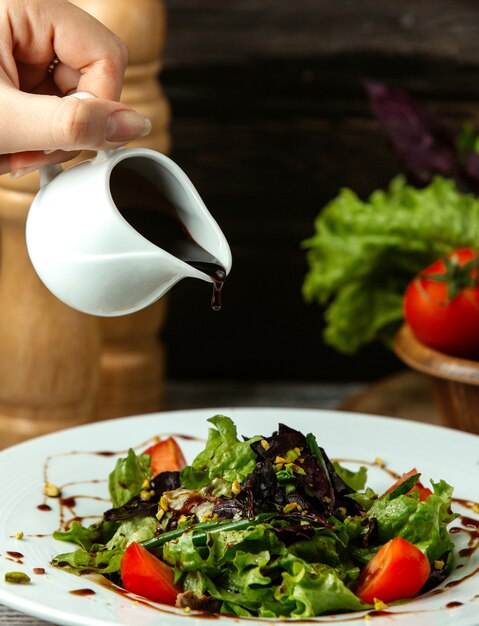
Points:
[454,381]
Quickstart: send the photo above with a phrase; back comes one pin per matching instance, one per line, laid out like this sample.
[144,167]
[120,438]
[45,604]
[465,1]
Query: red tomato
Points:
[441,305]
[398,571]
[144,574]
[166,456]
[424,492]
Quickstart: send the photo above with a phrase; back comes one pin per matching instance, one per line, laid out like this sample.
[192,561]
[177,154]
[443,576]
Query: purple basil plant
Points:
[424,143]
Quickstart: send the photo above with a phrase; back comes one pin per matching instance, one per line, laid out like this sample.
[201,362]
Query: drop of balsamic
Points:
[82,592]
[150,213]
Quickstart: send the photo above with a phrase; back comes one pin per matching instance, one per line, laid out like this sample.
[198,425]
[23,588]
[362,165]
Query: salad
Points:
[263,527]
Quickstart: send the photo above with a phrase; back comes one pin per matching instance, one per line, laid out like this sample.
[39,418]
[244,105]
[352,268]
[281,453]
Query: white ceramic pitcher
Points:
[87,253]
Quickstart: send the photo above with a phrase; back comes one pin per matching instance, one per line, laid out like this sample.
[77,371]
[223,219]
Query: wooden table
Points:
[405,395]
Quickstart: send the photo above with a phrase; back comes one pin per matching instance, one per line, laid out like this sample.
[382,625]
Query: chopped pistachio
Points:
[378,461]
[279,459]
[475,507]
[17,578]
[291,456]
[51,490]
[438,564]
[160,514]
[265,445]
[236,487]
[295,468]
[146,495]
[164,503]
[292,506]
[146,484]
[379,605]
[19,535]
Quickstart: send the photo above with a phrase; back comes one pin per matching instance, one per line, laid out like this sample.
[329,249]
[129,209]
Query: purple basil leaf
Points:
[226,508]
[137,507]
[290,534]
[260,493]
[422,141]
[284,439]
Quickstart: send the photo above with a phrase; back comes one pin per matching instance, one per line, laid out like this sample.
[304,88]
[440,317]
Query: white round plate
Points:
[80,459]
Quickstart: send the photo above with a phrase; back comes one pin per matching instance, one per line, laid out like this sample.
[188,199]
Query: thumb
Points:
[39,122]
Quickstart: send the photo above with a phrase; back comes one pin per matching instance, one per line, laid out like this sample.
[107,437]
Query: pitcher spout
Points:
[159,201]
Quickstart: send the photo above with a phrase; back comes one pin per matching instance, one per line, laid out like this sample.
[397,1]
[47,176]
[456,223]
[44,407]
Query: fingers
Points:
[26,162]
[38,122]
[92,59]
[4,164]
[83,43]
[63,81]
[66,79]
[41,29]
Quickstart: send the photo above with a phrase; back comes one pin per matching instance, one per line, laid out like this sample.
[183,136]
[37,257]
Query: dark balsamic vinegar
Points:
[151,214]
[82,592]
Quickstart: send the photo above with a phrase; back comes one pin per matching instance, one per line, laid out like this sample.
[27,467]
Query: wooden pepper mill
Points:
[59,367]
[132,358]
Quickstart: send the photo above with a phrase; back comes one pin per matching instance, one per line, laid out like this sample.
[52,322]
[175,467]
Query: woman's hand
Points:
[34,116]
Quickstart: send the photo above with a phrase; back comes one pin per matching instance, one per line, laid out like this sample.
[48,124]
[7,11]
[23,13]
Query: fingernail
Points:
[126,125]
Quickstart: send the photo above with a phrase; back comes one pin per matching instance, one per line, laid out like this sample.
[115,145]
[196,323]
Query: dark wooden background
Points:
[270,119]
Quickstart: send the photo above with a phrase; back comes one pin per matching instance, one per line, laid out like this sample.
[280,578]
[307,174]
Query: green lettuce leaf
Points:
[243,587]
[98,533]
[80,562]
[355,480]
[363,254]
[365,498]
[224,458]
[135,529]
[312,589]
[220,548]
[127,478]
[105,555]
[331,548]
[422,523]
[252,572]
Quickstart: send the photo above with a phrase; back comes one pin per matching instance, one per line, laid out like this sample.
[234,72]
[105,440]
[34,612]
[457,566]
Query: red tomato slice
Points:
[424,492]
[166,456]
[445,323]
[398,571]
[144,574]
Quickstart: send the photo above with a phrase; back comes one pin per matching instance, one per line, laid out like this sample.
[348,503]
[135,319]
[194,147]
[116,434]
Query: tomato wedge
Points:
[166,456]
[398,571]
[424,492]
[144,574]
